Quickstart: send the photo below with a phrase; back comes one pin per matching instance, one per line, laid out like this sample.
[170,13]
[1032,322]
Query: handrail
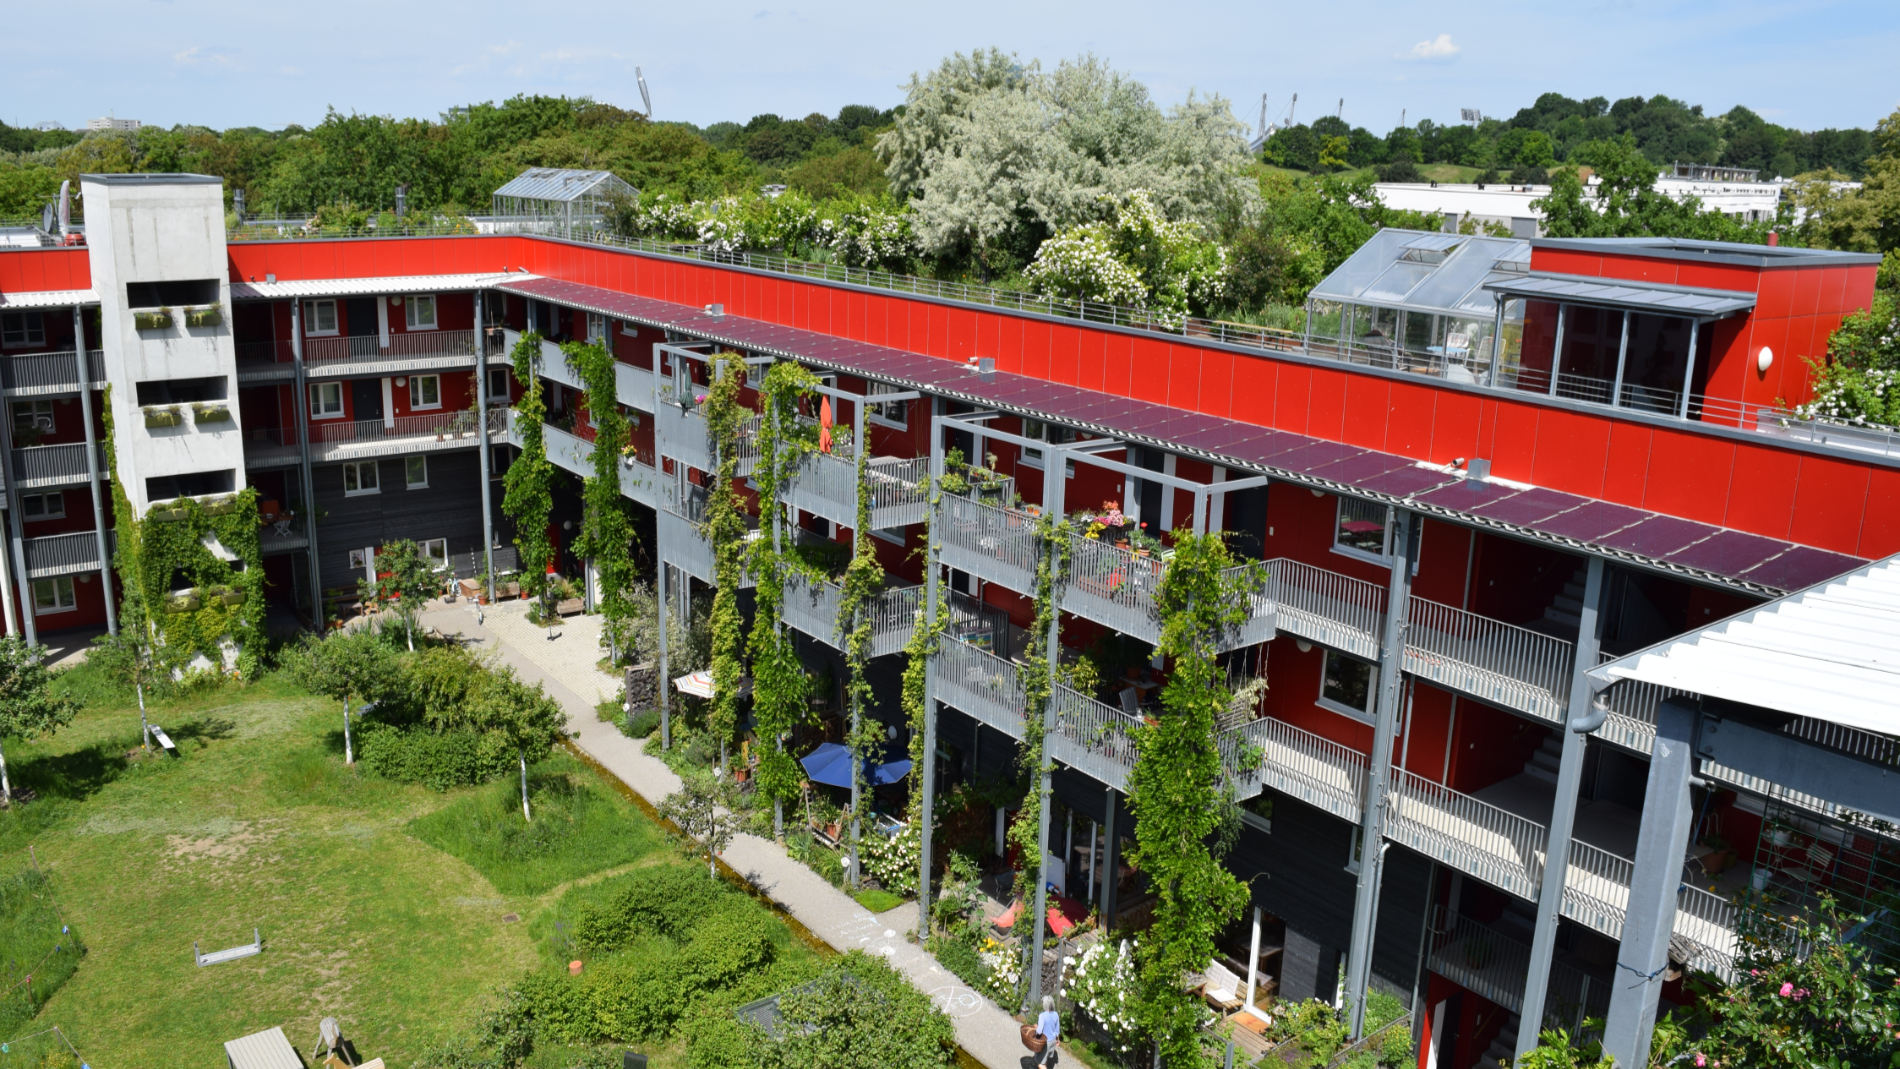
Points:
[456,421]
[369,347]
[1328,607]
[1513,666]
[1313,769]
[1480,839]
[52,372]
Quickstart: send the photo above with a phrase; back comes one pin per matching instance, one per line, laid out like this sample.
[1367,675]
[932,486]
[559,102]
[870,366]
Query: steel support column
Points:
[932,590]
[1657,879]
[481,407]
[92,467]
[1054,478]
[300,411]
[16,532]
[1378,781]
[1563,814]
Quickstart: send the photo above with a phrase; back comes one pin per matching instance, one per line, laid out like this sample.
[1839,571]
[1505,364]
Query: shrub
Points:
[1403,169]
[643,724]
[845,1020]
[664,900]
[414,754]
[961,958]
[893,859]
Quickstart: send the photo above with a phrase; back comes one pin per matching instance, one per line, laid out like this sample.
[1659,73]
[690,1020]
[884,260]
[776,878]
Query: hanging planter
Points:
[184,603]
[211,413]
[153,319]
[163,416]
[223,506]
[210,315]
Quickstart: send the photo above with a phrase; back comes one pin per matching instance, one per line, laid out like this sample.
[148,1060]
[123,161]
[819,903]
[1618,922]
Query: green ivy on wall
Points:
[780,687]
[607,535]
[1175,793]
[528,484]
[187,600]
[1038,676]
[725,528]
[863,580]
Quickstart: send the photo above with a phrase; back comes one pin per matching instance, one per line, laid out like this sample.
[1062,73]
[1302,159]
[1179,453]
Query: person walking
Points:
[1049,1027]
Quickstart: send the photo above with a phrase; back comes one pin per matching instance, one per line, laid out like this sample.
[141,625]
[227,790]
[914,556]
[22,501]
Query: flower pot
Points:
[1122,544]
[1141,553]
[1759,881]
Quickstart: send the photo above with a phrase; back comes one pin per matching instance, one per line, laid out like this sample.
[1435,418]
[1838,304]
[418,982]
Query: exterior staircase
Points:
[1503,1049]
[1543,763]
[1564,615]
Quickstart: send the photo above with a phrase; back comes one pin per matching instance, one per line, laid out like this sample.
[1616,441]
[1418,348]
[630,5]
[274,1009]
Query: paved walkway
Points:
[566,665]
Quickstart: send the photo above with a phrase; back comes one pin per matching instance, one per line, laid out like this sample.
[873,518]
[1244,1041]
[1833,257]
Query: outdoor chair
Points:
[1220,987]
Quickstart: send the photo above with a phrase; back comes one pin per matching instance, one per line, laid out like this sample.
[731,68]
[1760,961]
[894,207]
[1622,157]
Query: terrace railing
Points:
[994,544]
[62,554]
[368,348]
[447,429]
[27,374]
[826,485]
[987,687]
[1332,609]
[1474,837]
[1317,771]
[54,465]
[1501,663]
[270,446]
[1092,737]
[1494,965]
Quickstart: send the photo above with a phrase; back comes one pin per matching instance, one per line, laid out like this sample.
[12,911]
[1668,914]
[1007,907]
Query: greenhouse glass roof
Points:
[560,184]
[1422,271]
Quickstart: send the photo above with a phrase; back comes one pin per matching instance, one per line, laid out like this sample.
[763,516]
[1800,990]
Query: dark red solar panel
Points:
[1409,481]
[1802,567]
[1357,469]
[1218,435]
[1314,456]
[1728,552]
[1658,536]
[1530,506]
[1467,495]
[1591,521]
[1276,443]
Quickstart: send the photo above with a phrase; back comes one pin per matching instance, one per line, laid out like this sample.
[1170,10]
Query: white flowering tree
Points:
[1859,383]
[872,233]
[1101,983]
[1081,264]
[1138,257]
[893,859]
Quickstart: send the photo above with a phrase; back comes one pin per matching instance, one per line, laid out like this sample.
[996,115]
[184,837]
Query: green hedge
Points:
[668,901]
[415,754]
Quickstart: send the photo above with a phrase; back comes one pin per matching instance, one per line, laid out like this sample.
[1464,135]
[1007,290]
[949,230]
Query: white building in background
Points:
[110,123]
[1510,206]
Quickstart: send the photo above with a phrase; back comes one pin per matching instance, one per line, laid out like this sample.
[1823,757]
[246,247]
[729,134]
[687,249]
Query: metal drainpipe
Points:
[1055,475]
[300,412]
[1378,779]
[92,467]
[481,406]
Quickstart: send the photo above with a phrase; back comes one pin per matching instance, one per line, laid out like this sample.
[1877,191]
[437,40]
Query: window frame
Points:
[507,391]
[311,318]
[408,470]
[47,421]
[1367,715]
[65,595]
[877,411]
[355,468]
[317,413]
[442,562]
[25,332]
[26,514]
[415,383]
[498,461]
[1384,556]
[414,302]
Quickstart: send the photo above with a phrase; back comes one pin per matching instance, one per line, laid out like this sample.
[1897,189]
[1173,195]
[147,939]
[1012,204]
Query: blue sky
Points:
[222,63]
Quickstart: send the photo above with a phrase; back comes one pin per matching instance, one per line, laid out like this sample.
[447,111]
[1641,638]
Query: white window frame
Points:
[408,473]
[415,392]
[414,306]
[893,535]
[1384,556]
[37,414]
[1366,715]
[320,410]
[57,497]
[30,331]
[428,546]
[359,560]
[878,412]
[313,312]
[64,597]
[353,470]
[507,385]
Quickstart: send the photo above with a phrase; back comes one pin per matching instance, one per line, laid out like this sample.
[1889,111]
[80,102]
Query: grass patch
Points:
[878,901]
[579,828]
[38,950]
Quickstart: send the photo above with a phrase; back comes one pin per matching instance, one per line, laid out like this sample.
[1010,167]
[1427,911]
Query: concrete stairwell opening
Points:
[1564,615]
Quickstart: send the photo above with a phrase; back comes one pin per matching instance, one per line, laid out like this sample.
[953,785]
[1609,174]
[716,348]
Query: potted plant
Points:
[209,315]
[211,412]
[163,416]
[152,319]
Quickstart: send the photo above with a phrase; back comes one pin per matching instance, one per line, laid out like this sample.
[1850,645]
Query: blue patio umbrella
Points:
[830,764]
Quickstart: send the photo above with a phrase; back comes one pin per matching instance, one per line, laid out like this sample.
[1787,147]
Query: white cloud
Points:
[1439,47]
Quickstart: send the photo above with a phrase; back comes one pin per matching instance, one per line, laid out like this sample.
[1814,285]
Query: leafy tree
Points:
[1137,257]
[405,577]
[860,1014]
[1332,152]
[127,658]
[28,707]
[527,496]
[355,666]
[1626,202]
[704,809]
[457,691]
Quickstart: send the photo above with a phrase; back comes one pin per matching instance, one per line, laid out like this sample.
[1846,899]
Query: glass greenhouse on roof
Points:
[1415,300]
[555,200]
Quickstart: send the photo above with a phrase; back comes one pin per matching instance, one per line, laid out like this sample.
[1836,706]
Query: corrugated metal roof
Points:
[262,1050]
[1619,293]
[357,287]
[1399,269]
[14,302]
[556,183]
[1830,652]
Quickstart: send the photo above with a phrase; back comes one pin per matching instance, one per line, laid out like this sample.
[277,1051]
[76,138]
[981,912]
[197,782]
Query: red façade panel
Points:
[1762,497]
[1326,403]
[1411,413]
[1089,353]
[1571,448]
[1774,297]
[1217,380]
[1255,390]
[1065,361]
[1513,446]
[1689,475]
[1148,381]
[1362,420]
[1033,359]
[1184,377]
[1566,261]
[1626,469]
[1459,420]
[1880,530]
[1830,503]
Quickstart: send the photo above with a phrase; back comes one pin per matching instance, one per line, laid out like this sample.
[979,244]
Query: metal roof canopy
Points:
[356,287]
[1830,652]
[13,302]
[1382,273]
[1653,297]
[269,1049]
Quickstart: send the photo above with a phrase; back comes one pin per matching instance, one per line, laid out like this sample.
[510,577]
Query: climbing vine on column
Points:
[1175,794]
[917,654]
[529,483]
[780,687]
[607,537]
[863,580]
[725,528]
[1038,676]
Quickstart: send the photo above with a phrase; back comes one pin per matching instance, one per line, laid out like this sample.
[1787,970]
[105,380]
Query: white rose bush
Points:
[1101,983]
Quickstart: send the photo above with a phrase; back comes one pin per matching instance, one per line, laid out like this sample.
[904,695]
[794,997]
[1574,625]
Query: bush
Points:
[643,724]
[1403,169]
[665,900]
[415,754]
[861,1014]
[961,958]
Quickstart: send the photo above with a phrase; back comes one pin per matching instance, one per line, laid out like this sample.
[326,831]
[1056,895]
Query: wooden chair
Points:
[1220,987]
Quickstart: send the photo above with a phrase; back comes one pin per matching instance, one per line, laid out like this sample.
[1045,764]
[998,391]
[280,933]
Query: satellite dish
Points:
[46,218]
[647,100]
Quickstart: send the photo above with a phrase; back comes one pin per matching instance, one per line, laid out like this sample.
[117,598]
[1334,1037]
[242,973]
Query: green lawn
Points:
[259,825]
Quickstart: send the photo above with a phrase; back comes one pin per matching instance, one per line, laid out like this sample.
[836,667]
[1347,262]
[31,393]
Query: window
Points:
[418,313]
[171,294]
[1348,686]
[596,328]
[500,390]
[190,484]
[359,560]
[53,595]
[326,400]
[436,549]
[1039,431]
[499,457]
[360,478]
[1362,529]
[425,391]
[182,391]
[19,329]
[319,317]
[35,414]
[889,413]
[47,506]
[416,472]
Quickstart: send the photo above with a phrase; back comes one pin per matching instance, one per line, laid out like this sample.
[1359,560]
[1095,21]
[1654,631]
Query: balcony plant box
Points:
[184,603]
[211,413]
[223,506]
[210,315]
[165,515]
[153,319]
[163,416]
[232,597]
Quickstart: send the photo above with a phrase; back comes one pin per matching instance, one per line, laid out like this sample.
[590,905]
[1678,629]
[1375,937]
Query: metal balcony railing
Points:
[1494,966]
[54,465]
[455,429]
[1477,838]
[283,536]
[1331,609]
[994,544]
[25,374]
[684,436]
[259,361]
[1317,771]
[1093,738]
[827,485]
[979,683]
[321,353]
[270,446]
[1501,663]
[61,554]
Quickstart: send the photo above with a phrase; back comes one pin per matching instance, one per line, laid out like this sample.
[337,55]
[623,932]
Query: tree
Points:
[1137,257]
[703,809]
[354,666]
[1626,203]
[525,716]
[126,657]
[405,577]
[28,707]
